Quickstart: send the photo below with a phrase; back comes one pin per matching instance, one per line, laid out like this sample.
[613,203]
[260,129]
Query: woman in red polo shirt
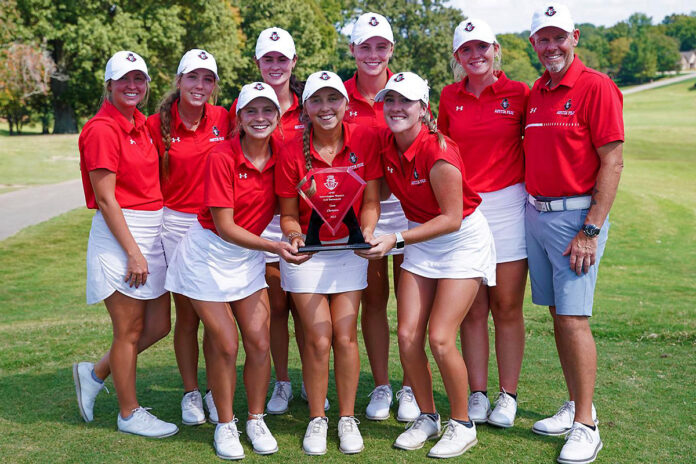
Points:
[185,128]
[125,263]
[372,45]
[449,252]
[326,289]
[484,114]
[219,264]
[276,58]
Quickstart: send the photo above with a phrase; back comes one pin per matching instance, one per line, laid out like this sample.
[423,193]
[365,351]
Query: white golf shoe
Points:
[408,406]
[424,428]
[314,442]
[350,440]
[503,414]
[210,406]
[304,397]
[455,441]
[260,437]
[226,441]
[581,446]
[192,408]
[561,422]
[142,423]
[86,388]
[380,403]
[280,398]
[479,407]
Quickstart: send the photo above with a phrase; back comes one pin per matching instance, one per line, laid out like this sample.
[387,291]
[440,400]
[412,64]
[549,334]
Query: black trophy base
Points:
[345,246]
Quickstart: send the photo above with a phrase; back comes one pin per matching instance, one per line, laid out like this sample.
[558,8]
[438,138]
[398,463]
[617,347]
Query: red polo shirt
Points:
[289,121]
[565,126]
[408,176]
[360,151]
[232,181]
[359,111]
[488,131]
[183,187]
[110,141]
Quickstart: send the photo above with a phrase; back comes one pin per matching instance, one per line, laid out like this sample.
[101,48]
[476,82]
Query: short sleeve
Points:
[153,126]
[219,181]
[232,115]
[525,101]
[286,175]
[605,113]
[101,147]
[450,154]
[443,116]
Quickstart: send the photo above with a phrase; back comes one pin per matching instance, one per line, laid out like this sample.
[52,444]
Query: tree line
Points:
[53,52]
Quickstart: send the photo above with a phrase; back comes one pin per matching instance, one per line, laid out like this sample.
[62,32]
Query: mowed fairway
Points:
[644,326]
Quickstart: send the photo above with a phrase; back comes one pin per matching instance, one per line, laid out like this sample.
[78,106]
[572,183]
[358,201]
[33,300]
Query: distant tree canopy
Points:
[77,38]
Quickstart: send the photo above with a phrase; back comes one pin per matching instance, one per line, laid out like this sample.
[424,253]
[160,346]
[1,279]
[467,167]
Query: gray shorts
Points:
[553,282]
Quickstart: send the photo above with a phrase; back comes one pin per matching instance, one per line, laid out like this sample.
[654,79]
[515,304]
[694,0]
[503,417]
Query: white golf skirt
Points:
[107,262]
[274,233]
[205,267]
[326,272]
[174,226]
[391,220]
[504,211]
[466,253]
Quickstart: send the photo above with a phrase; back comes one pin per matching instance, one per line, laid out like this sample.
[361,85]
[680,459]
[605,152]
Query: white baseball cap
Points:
[552,14]
[256,90]
[275,39]
[472,29]
[408,84]
[122,63]
[371,25]
[321,79]
[197,59]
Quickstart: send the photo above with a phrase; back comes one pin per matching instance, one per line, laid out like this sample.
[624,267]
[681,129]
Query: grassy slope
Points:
[643,324]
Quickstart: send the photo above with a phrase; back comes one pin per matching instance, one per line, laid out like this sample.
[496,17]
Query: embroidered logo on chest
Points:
[242,175]
[504,104]
[567,109]
[176,139]
[353,157]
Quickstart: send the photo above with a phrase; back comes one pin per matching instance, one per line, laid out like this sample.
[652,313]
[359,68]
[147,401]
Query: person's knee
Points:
[318,344]
[226,351]
[441,344]
[257,345]
[506,311]
[409,340]
[572,324]
[345,341]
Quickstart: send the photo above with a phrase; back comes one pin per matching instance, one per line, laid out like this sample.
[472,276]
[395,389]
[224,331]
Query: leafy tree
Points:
[640,63]
[516,62]
[8,20]
[667,51]
[617,31]
[638,24]
[24,80]
[588,57]
[683,28]
[618,49]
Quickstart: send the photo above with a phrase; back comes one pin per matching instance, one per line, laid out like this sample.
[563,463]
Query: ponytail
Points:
[165,112]
[312,189]
[297,87]
[432,128]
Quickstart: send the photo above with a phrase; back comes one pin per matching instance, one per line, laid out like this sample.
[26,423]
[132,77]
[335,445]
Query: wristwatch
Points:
[590,230]
[399,241]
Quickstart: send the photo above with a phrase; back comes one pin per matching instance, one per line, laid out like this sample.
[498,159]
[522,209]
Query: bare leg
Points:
[156,326]
[344,315]
[315,316]
[127,318]
[186,341]
[253,316]
[414,301]
[374,323]
[506,305]
[474,340]
[452,301]
[280,310]
[579,360]
[221,329]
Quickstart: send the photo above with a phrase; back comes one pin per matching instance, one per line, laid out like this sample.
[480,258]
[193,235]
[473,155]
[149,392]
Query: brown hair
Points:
[106,95]
[306,150]
[432,127]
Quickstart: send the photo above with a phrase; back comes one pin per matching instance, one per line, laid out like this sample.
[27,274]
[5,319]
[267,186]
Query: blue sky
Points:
[515,15]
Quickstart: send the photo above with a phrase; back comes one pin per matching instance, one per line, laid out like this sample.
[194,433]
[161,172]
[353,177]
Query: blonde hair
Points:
[432,127]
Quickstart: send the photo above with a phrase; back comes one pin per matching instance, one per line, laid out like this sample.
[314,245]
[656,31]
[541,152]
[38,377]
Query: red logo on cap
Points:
[469,27]
[131,57]
[202,55]
[275,36]
[373,21]
[550,11]
[324,76]
[399,77]
[259,86]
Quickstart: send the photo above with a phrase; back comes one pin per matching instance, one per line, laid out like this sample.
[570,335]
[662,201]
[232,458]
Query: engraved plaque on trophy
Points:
[335,190]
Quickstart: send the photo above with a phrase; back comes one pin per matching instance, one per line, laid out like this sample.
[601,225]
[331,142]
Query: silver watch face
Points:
[590,230]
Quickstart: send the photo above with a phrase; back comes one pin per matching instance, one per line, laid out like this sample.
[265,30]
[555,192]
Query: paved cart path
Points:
[660,83]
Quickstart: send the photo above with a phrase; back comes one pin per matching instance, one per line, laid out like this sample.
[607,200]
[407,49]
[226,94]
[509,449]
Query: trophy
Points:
[331,192]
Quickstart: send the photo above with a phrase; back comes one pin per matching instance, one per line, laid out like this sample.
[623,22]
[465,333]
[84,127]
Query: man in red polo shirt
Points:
[573,148]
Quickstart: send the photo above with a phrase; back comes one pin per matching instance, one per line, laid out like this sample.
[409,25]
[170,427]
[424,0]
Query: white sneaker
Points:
[192,408]
[418,432]
[503,414]
[408,406]
[479,408]
[86,388]
[455,441]
[143,423]
[280,398]
[210,406]
[349,437]
[561,422]
[581,446]
[314,443]
[304,397]
[226,441]
[261,438]
[380,402]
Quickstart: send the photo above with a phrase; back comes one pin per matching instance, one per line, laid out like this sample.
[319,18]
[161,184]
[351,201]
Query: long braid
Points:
[312,189]
[165,112]
[432,128]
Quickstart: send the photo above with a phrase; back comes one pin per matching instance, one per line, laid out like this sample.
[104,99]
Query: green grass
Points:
[34,159]
[643,324]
